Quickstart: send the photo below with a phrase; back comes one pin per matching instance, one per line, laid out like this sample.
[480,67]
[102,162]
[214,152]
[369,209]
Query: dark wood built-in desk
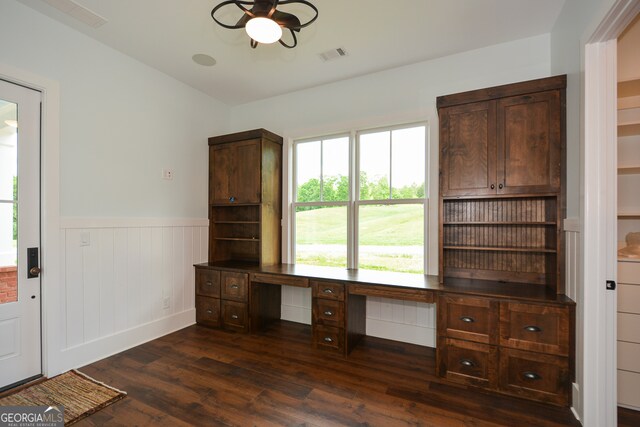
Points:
[512,338]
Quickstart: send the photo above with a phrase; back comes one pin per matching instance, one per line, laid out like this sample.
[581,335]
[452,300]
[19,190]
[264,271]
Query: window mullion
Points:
[354,195]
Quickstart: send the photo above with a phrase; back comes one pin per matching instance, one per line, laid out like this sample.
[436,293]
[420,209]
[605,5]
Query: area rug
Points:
[80,395]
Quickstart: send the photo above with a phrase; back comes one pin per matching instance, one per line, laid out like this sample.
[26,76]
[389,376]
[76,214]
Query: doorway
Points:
[628,265]
[20,293]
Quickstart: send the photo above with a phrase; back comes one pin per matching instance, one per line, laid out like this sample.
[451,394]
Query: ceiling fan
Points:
[263,22]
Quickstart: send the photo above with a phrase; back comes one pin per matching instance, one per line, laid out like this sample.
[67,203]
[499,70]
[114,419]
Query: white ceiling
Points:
[376,34]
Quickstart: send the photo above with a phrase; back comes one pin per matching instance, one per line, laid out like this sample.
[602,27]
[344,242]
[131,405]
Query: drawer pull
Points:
[467,319]
[209,284]
[327,291]
[532,329]
[209,312]
[328,339]
[328,313]
[531,376]
[468,363]
[234,316]
[234,286]
[232,199]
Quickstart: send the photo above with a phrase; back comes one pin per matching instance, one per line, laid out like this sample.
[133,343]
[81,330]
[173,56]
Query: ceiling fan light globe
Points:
[264,30]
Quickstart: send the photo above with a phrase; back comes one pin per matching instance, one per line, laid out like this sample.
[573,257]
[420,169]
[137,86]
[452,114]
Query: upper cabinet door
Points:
[235,170]
[468,149]
[529,143]
[246,179]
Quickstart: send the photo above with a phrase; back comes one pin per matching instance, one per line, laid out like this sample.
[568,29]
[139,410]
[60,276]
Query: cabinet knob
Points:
[532,329]
[232,199]
[467,319]
[234,316]
[531,376]
[500,186]
[328,291]
[209,284]
[328,313]
[493,186]
[328,339]
[467,363]
[209,312]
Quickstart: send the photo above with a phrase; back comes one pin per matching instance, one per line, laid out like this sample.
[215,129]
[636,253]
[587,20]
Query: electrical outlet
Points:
[166,302]
[167,174]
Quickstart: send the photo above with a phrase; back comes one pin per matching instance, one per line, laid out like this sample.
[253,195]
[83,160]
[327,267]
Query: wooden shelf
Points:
[236,222]
[499,223]
[628,215]
[629,130]
[237,239]
[631,170]
[499,249]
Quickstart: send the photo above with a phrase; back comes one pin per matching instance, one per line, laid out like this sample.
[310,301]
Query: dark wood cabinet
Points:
[245,203]
[235,169]
[245,206]
[468,149]
[502,195]
[328,315]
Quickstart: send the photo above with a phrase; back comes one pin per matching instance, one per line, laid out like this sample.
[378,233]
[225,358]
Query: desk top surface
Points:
[524,291]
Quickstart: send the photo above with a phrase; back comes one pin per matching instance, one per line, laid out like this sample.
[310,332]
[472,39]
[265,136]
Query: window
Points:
[365,211]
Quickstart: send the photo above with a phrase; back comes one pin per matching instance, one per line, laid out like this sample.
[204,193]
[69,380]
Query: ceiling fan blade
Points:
[286,20]
[243,20]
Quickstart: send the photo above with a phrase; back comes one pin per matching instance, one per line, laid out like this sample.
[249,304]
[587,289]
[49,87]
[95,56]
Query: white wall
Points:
[395,96]
[121,123]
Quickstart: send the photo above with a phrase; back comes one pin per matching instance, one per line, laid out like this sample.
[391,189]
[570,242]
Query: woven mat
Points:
[80,395]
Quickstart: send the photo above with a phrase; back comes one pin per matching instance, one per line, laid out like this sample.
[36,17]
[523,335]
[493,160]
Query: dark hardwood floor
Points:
[200,376]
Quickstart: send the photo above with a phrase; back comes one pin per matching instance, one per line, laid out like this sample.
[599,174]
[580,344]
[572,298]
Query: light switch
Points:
[85,238]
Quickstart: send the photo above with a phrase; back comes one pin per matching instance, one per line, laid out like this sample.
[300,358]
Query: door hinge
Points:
[611,285]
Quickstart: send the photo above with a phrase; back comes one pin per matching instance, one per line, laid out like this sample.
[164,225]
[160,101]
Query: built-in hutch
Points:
[504,323]
[629,244]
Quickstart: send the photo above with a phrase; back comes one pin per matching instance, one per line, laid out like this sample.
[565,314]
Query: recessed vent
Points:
[332,54]
[78,12]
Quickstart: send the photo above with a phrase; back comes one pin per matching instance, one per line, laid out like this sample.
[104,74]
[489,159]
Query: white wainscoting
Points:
[572,235]
[126,281]
[397,320]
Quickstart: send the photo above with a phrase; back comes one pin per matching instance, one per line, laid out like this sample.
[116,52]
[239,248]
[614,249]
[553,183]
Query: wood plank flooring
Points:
[200,376]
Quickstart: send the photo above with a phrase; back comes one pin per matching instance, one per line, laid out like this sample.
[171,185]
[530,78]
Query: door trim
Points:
[599,388]
[51,283]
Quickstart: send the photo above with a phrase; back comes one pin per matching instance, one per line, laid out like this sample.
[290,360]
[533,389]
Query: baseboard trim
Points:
[84,354]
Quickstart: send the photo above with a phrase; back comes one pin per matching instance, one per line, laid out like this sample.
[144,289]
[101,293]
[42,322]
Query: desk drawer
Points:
[328,312]
[208,311]
[328,290]
[235,315]
[208,282]
[468,362]
[468,318]
[328,338]
[278,279]
[534,327]
[235,286]
[542,377]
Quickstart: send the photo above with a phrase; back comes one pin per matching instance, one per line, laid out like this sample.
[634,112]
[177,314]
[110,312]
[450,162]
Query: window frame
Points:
[354,203]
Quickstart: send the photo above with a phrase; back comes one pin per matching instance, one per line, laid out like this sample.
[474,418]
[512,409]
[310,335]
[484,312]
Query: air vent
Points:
[78,12]
[332,54]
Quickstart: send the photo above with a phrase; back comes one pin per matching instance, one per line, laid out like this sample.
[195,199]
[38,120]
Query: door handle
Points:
[33,261]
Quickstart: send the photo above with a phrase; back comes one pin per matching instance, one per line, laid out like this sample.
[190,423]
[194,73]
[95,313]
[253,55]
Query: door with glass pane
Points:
[20,343]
